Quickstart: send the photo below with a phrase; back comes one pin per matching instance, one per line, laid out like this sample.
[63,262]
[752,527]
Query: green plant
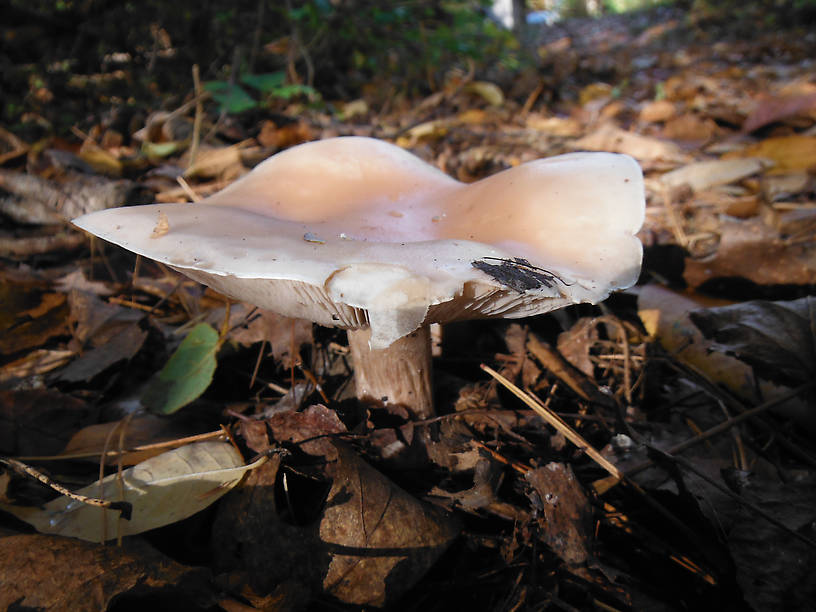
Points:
[233,99]
[409,42]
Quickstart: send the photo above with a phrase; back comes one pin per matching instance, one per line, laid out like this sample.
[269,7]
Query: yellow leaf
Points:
[789,152]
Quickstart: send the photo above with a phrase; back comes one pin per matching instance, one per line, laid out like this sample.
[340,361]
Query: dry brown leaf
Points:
[657,112]
[751,249]
[315,421]
[780,186]
[778,339]
[564,512]
[122,346]
[380,540]
[564,127]
[34,200]
[99,159]
[43,572]
[76,280]
[28,316]
[371,543]
[788,152]
[430,131]
[515,336]
[690,128]
[574,345]
[140,429]
[643,148]
[212,162]
[23,248]
[37,362]
[282,333]
[292,133]
[96,322]
[777,108]
[703,175]
[40,422]
[665,314]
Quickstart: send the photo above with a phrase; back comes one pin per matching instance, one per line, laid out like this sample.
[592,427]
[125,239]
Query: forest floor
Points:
[681,473]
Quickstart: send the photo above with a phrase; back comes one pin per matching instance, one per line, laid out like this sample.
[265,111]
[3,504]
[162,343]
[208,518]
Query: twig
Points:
[126,508]
[199,118]
[556,421]
[187,189]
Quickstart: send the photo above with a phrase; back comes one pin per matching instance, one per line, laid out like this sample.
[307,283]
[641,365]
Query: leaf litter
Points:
[499,510]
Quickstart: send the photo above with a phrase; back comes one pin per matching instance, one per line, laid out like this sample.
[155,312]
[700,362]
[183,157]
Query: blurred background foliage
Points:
[61,60]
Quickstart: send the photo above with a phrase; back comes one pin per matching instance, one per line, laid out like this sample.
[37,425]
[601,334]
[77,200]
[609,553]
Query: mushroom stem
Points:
[399,374]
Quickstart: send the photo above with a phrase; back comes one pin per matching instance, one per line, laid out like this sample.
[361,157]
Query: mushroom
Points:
[360,234]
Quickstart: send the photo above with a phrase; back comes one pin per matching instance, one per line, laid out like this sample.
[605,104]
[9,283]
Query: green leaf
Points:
[187,374]
[232,98]
[287,92]
[266,83]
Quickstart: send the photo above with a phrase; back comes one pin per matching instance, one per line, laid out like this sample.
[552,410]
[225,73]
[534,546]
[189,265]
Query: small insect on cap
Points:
[355,232]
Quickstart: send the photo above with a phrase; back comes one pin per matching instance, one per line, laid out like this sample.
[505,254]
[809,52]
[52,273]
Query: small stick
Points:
[126,508]
[556,421]
[199,117]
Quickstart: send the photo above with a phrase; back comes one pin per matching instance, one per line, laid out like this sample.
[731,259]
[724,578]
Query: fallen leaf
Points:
[282,333]
[703,175]
[97,322]
[29,316]
[658,111]
[370,544]
[426,132]
[489,92]
[291,133]
[554,126]
[773,568]
[139,429]
[788,152]
[564,512]
[594,92]
[666,316]
[99,159]
[780,186]
[122,346]
[690,128]
[76,280]
[380,540]
[162,490]
[35,200]
[36,362]
[777,339]
[187,374]
[212,162]
[751,249]
[43,572]
[40,422]
[777,108]
[311,424]
[643,148]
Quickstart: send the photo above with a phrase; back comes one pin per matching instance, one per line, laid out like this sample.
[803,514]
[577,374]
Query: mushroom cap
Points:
[355,232]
